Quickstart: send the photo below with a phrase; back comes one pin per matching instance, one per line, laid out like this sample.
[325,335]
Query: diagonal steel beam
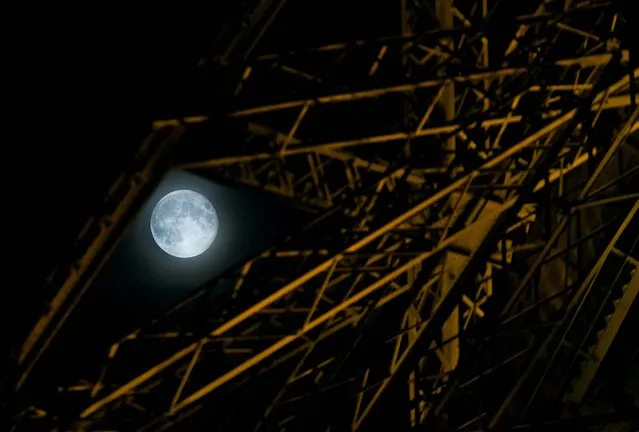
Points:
[98,251]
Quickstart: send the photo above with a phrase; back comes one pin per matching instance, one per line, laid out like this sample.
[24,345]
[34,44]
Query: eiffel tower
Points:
[468,180]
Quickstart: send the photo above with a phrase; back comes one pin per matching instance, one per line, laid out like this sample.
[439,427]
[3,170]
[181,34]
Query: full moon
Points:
[184,223]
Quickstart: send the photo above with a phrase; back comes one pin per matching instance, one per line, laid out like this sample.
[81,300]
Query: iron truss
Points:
[470,251]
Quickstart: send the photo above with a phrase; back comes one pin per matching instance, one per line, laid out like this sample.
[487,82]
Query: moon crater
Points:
[184,223]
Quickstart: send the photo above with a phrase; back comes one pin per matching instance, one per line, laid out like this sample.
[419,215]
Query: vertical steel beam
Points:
[451,262]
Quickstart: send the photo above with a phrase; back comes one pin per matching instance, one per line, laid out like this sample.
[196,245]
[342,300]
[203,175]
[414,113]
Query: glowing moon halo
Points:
[184,223]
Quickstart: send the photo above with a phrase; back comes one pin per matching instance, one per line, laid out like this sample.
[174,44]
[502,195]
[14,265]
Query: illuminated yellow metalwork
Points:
[422,240]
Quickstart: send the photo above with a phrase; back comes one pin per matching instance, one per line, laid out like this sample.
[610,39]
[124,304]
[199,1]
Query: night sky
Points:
[92,87]
[140,281]
[90,84]
[94,84]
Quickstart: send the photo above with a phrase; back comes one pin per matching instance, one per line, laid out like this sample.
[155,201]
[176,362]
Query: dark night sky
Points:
[140,281]
[87,83]
[88,89]
[91,82]
[102,80]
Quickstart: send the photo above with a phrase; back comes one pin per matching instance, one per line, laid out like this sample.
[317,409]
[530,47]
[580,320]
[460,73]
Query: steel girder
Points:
[424,267]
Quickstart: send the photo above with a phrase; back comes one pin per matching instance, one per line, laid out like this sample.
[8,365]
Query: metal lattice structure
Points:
[470,253]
